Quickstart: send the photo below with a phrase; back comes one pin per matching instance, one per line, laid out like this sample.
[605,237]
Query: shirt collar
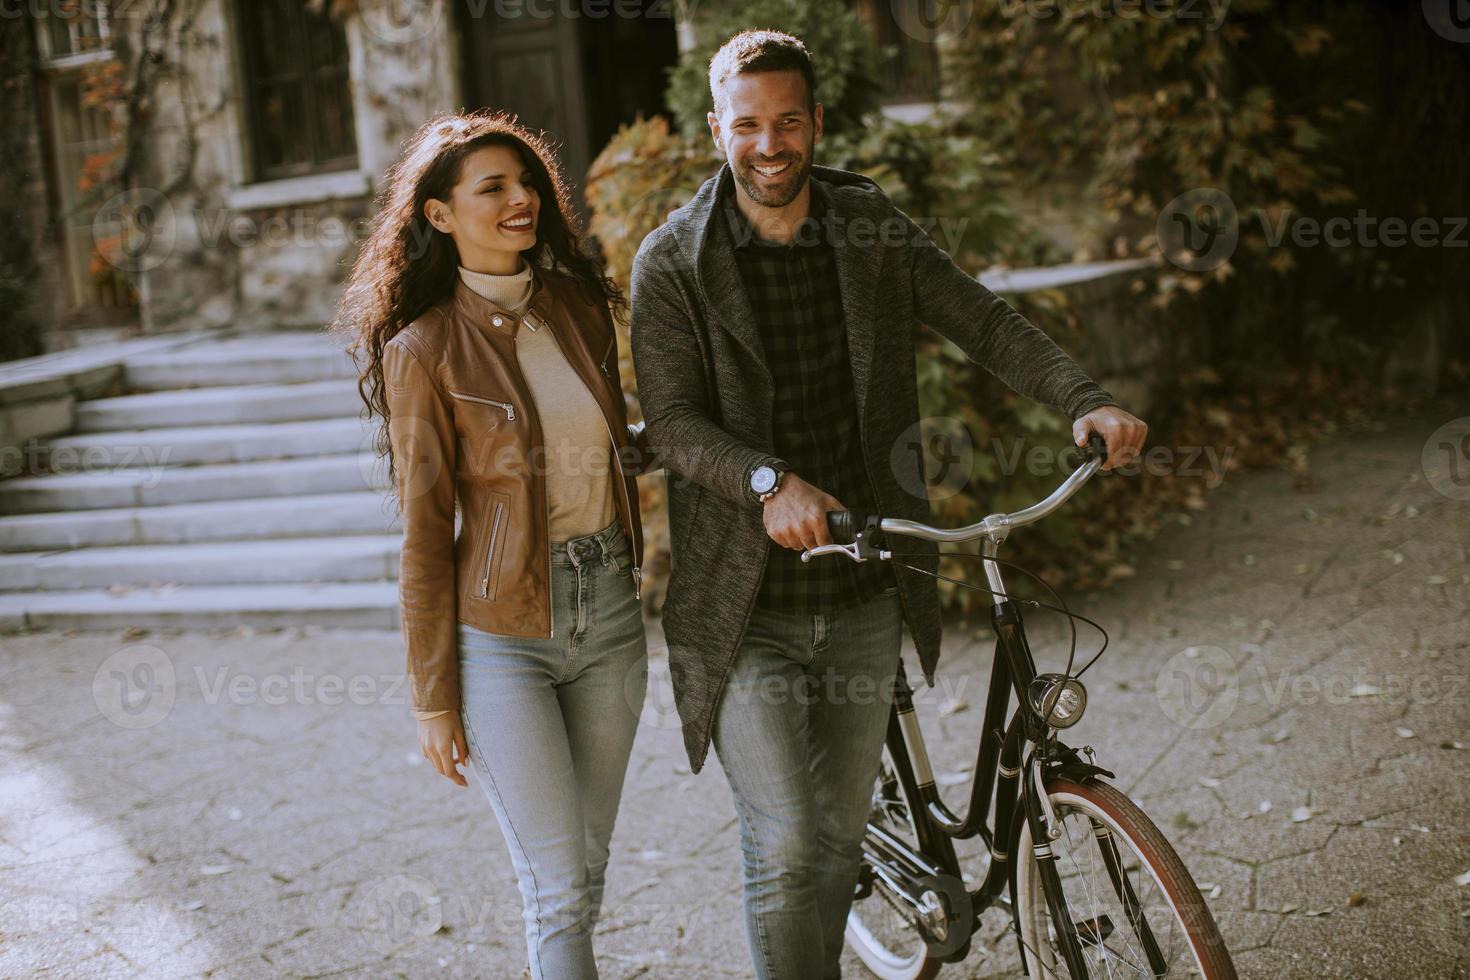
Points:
[742,232]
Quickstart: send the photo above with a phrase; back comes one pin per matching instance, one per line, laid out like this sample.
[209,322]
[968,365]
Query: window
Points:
[299,105]
[82,140]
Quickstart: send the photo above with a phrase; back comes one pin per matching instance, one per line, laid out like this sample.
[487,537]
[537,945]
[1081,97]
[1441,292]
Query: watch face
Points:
[763,479]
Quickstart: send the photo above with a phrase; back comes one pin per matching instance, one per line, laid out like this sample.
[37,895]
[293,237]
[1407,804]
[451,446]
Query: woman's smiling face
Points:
[492,212]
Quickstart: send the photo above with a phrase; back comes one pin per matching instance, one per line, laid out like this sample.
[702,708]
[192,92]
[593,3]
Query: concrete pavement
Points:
[1286,694]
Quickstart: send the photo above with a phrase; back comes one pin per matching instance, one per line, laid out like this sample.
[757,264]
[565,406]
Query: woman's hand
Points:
[442,741]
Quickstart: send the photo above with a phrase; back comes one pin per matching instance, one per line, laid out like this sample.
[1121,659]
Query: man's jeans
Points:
[550,725]
[799,731]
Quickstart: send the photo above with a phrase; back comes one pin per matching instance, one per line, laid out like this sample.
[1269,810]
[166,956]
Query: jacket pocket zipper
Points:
[611,344]
[490,551]
[507,407]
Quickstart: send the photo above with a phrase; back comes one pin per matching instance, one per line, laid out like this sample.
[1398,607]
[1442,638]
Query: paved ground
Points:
[1286,693]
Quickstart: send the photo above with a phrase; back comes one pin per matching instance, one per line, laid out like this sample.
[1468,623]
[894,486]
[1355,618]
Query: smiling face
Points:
[492,213]
[768,134]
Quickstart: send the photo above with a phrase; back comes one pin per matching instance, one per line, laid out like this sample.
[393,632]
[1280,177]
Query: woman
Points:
[486,344]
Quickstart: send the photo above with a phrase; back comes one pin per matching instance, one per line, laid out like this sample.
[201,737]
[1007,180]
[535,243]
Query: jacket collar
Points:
[499,321]
[702,231]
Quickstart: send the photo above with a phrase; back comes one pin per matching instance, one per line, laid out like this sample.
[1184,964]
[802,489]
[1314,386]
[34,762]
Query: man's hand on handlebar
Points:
[1123,433]
[796,517]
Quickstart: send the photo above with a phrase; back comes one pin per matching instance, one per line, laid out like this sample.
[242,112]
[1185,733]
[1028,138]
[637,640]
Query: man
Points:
[774,322]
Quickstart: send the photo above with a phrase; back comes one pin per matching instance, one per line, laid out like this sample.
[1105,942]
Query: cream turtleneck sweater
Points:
[579,463]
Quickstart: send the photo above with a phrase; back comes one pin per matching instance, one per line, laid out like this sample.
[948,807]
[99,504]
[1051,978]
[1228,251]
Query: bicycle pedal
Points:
[1095,931]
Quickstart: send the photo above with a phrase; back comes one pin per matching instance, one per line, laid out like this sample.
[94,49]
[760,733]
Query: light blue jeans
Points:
[550,725]
[799,731]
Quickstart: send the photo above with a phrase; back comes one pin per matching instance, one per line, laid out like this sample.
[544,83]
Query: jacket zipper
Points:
[618,460]
[490,551]
[507,407]
[637,571]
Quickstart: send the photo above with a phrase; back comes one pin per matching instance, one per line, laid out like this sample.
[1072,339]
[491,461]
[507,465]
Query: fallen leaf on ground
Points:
[953,706]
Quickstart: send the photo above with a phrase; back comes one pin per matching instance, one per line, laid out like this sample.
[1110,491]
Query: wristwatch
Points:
[765,480]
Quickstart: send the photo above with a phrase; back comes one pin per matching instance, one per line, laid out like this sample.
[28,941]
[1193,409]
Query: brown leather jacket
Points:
[463,428]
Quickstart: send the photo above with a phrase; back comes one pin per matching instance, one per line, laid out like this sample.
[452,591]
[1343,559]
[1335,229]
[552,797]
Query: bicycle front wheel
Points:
[1135,909]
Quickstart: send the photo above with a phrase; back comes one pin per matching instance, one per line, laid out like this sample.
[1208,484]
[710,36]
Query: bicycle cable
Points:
[1061,607]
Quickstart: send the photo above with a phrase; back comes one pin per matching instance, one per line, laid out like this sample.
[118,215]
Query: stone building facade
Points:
[264,128]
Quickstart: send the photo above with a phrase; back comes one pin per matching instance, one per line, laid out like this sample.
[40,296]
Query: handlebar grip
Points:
[1097,448]
[842,525]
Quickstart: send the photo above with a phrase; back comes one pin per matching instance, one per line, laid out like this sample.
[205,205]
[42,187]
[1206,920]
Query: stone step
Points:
[343,559]
[228,405]
[362,605]
[155,487]
[195,444]
[315,515]
[263,358]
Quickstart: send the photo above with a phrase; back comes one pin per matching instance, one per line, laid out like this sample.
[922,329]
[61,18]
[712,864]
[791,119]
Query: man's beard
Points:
[774,195]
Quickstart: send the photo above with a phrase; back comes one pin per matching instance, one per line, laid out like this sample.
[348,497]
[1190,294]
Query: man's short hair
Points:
[754,51]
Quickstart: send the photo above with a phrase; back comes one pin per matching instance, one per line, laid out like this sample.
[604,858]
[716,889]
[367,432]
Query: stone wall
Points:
[230,250]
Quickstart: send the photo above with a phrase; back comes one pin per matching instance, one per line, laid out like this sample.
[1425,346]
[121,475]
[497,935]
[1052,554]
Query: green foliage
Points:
[1316,110]
[842,54]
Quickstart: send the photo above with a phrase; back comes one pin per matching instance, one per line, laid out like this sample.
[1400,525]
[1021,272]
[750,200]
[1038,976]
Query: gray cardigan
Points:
[706,393]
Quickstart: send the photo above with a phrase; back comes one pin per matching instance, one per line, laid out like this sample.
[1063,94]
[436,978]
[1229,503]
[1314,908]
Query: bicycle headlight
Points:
[1058,699]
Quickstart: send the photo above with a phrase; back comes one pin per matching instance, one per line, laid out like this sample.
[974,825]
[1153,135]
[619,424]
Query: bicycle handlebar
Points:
[845,526]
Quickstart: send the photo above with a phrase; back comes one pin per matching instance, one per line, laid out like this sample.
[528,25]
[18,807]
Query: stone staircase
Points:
[233,484]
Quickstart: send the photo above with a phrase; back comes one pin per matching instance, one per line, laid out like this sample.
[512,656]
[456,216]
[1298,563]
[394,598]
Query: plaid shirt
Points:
[797,304]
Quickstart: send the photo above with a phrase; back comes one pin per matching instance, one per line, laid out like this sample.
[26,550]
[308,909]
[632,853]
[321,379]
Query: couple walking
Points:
[774,348]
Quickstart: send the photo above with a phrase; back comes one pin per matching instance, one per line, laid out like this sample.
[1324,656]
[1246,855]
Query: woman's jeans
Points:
[799,731]
[550,725]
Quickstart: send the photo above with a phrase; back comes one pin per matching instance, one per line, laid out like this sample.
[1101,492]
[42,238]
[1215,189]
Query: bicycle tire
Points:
[865,936]
[1135,832]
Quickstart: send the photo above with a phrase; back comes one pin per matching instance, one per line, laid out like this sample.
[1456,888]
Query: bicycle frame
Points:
[1001,773]
[998,773]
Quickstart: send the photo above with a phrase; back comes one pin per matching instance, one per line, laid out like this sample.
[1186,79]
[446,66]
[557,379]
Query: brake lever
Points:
[850,550]
[860,550]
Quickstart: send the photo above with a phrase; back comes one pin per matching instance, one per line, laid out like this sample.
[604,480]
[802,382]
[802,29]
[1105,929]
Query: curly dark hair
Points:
[406,265]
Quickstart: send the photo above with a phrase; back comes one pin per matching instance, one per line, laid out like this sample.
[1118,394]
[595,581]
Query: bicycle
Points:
[1082,860]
